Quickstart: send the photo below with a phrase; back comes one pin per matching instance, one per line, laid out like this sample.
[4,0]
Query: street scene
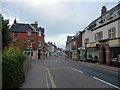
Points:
[57,44]
[60,72]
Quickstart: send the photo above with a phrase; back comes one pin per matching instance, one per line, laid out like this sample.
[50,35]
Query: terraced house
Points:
[101,38]
[24,34]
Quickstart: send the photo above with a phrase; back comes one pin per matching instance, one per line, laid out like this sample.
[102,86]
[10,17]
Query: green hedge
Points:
[12,70]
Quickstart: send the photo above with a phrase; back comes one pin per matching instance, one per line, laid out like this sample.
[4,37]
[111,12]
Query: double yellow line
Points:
[51,78]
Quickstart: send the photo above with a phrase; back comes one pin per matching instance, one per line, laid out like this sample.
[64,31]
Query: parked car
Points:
[56,54]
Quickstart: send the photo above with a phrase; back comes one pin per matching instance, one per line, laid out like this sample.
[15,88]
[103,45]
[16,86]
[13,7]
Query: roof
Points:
[41,29]
[20,27]
[93,23]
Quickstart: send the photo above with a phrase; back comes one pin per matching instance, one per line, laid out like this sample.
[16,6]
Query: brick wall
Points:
[23,38]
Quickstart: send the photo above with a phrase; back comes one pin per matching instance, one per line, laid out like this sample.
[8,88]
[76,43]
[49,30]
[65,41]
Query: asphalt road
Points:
[71,74]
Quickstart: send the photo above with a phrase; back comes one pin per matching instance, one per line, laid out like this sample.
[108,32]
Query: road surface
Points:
[64,73]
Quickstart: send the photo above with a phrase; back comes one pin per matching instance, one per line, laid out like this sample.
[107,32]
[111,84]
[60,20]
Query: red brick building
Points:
[78,44]
[22,34]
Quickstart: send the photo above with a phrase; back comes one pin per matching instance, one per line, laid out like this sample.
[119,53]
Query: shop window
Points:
[111,33]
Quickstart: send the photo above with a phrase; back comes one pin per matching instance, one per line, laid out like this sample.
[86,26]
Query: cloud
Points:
[61,0]
[59,18]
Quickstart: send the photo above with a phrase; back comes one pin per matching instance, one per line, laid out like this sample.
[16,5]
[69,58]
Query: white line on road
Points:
[106,82]
[60,68]
[76,70]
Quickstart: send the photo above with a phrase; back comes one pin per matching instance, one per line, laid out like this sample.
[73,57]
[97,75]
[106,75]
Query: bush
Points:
[12,65]
[13,50]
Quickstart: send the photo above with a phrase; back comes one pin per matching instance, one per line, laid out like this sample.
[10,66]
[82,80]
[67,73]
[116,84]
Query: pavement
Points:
[98,65]
[36,77]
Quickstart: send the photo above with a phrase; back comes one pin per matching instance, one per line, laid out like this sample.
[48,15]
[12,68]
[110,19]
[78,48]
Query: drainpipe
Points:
[86,51]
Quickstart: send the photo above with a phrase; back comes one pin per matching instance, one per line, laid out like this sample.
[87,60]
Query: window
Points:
[39,33]
[31,53]
[39,44]
[15,38]
[98,36]
[111,33]
[28,53]
[29,33]
[86,40]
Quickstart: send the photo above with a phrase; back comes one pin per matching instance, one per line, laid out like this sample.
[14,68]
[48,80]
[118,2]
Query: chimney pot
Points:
[103,10]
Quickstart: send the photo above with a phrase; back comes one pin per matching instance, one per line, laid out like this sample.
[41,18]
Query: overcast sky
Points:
[60,18]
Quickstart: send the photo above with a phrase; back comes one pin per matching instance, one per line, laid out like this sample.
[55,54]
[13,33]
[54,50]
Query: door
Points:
[104,55]
[39,54]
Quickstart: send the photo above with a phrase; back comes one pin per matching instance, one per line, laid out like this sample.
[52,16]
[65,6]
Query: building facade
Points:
[101,37]
[23,34]
[100,40]
[68,47]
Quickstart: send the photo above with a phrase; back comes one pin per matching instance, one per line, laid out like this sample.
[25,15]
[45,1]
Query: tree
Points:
[5,32]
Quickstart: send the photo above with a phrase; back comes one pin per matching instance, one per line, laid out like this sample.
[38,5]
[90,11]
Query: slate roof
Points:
[19,27]
[93,23]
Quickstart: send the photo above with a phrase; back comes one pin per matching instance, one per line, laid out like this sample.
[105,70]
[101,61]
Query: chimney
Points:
[103,10]
[15,21]
[35,25]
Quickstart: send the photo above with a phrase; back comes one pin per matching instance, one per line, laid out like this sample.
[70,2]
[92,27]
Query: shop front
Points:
[114,46]
[93,52]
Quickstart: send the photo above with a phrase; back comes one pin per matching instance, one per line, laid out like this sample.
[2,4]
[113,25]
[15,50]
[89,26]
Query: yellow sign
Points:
[92,44]
[114,42]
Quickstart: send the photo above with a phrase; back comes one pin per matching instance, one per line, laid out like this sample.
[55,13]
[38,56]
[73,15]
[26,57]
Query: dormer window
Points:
[29,33]
[39,33]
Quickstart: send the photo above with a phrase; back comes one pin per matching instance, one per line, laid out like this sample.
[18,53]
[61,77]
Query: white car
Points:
[56,54]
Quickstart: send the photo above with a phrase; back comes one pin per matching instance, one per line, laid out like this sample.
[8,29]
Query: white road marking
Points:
[106,82]
[59,67]
[56,60]
[77,70]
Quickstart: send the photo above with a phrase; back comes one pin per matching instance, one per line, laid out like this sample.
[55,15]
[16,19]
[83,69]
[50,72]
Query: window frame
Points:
[98,36]
[112,33]
[29,33]
[15,37]
[39,33]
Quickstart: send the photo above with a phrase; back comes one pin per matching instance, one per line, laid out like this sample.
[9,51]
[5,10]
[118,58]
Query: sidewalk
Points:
[103,66]
[36,77]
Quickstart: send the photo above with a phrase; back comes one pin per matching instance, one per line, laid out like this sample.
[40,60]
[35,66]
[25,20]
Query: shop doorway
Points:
[104,55]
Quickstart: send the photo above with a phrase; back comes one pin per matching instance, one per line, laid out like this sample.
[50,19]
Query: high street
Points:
[60,72]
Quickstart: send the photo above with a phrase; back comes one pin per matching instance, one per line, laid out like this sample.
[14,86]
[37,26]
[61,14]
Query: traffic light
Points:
[31,46]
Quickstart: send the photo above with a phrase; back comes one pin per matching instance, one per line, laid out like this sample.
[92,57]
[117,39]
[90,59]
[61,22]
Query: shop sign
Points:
[92,44]
[114,42]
